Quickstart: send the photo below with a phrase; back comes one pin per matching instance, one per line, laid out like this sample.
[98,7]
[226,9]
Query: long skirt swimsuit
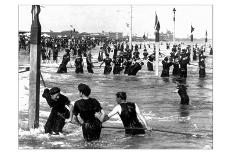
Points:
[130,120]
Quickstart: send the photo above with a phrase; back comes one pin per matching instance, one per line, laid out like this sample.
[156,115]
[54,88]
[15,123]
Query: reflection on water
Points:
[184,111]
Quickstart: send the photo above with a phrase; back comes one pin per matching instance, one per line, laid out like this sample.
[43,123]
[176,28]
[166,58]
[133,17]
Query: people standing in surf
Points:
[211,51]
[127,65]
[115,52]
[117,65]
[66,58]
[130,115]
[89,63]
[194,54]
[86,107]
[43,54]
[166,66]
[184,102]
[135,67]
[145,54]
[100,55]
[184,61]
[61,110]
[108,64]
[176,68]
[150,60]
[79,64]
[55,54]
[182,91]
[136,55]
[201,67]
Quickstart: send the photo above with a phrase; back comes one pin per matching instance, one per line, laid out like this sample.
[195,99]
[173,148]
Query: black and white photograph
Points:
[115,76]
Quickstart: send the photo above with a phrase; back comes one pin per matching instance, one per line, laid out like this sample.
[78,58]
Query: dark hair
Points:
[83,88]
[121,95]
[67,50]
[54,90]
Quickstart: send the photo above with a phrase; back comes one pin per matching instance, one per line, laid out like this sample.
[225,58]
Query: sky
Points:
[113,18]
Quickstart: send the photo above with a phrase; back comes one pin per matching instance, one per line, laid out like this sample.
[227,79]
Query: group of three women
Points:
[88,112]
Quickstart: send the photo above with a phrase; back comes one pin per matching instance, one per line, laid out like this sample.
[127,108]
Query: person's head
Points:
[55,93]
[84,90]
[166,59]
[120,96]
[67,51]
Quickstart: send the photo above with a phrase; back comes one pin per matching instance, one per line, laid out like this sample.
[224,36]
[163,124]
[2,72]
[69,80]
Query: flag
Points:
[71,26]
[206,36]
[157,23]
[192,29]
[144,37]
[191,36]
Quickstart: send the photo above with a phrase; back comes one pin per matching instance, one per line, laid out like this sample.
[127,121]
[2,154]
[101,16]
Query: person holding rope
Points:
[60,113]
[86,107]
[129,113]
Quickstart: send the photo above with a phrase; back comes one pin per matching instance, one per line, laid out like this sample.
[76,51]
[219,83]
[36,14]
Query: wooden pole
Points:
[34,76]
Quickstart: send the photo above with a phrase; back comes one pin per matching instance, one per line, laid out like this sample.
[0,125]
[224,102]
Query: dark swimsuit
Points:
[129,118]
[92,126]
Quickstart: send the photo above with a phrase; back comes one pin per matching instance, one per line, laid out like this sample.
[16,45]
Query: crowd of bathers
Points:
[117,56]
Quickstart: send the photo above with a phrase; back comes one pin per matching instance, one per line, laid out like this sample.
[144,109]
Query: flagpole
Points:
[191,52]
[157,59]
[157,28]
[130,38]
[205,40]
[174,10]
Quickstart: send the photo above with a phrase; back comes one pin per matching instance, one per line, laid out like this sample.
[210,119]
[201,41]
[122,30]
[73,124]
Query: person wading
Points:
[59,113]
[129,113]
[86,107]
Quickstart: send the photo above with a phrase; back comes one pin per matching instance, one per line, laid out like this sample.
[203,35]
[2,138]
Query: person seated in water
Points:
[183,94]
[129,113]
[86,107]
[59,113]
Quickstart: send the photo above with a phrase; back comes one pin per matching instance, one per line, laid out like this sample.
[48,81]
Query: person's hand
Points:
[68,120]
[45,93]
[97,115]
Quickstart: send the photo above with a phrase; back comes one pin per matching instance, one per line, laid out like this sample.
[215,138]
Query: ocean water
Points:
[155,96]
